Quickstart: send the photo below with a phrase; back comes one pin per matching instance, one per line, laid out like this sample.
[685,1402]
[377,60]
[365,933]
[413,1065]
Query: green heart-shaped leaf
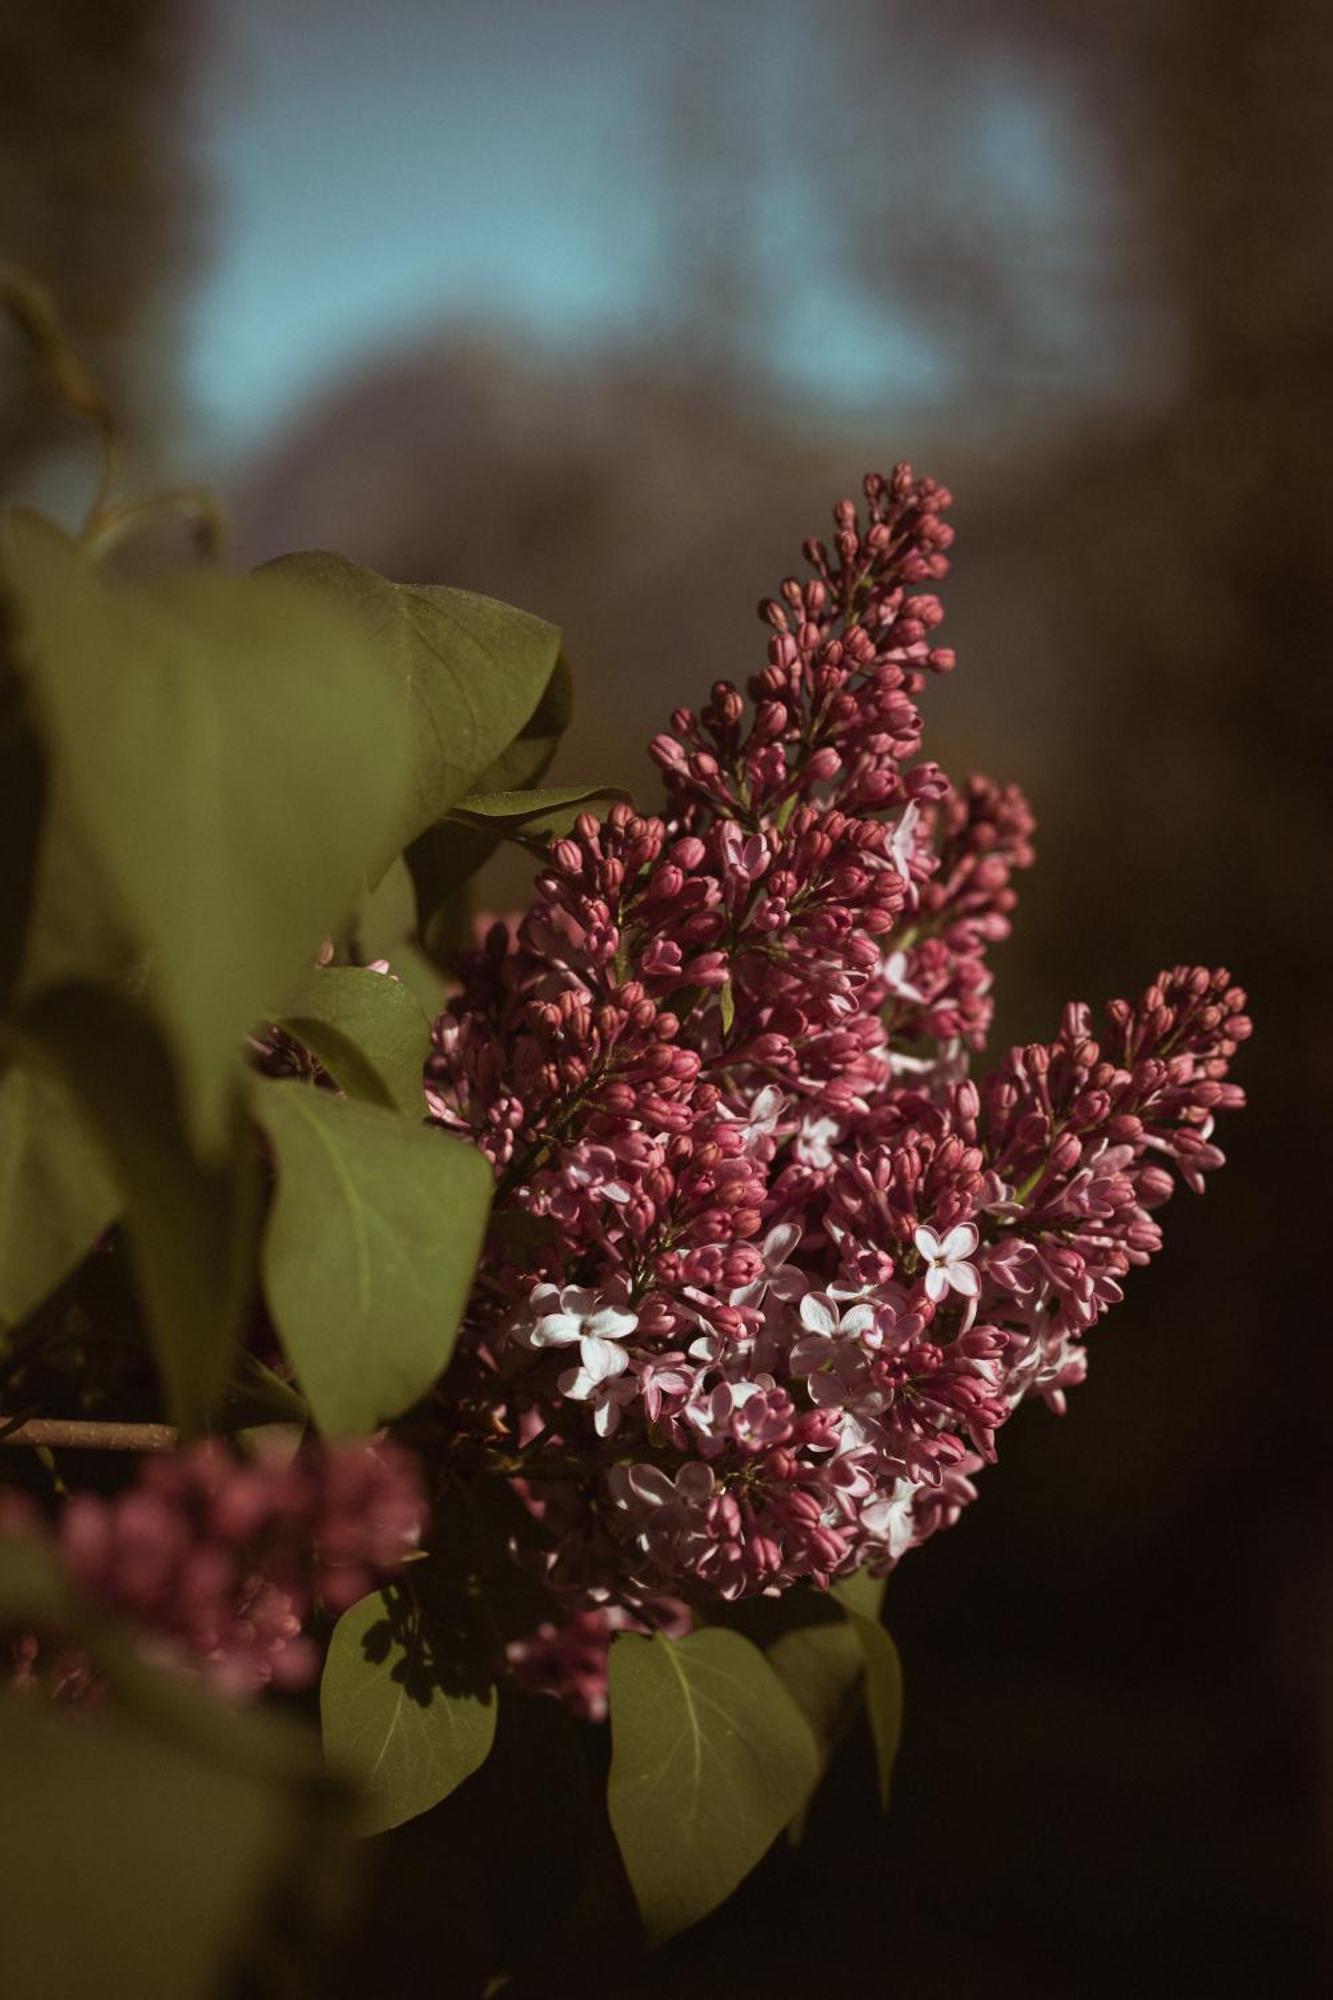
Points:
[388,1721]
[468,672]
[821,1667]
[372,1241]
[711,1759]
[861,1592]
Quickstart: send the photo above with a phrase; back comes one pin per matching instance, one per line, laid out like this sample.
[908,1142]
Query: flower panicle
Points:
[764,1250]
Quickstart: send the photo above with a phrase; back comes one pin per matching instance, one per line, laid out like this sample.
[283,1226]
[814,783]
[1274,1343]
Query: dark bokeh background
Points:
[599,308]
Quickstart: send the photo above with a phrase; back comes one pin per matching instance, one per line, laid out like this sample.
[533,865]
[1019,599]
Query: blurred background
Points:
[599,307]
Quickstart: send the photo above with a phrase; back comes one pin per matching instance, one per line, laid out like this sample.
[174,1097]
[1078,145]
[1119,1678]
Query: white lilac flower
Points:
[825,1319]
[946,1260]
[814,1141]
[594,1322]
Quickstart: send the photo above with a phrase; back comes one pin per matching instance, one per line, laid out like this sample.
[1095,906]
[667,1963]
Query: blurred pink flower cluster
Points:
[764,1254]
[220,1560]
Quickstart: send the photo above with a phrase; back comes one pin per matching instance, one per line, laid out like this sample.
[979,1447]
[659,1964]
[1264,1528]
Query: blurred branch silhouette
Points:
[97,200]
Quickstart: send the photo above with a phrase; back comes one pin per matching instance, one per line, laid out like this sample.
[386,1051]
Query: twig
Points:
[83,1434]
[32,312]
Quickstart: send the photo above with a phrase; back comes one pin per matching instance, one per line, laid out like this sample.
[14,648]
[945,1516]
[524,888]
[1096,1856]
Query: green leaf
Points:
[821,1667]
[168,1862]
[884,1696]
[56,1193]
[224,759]
[367,1031]
[536,813]
[172,1823]
[861,1592]
[386,927]
[861,1596]
[711,1758]
[388,1720]
[443,863]
[469,672]
[727,1006]
[191,1221]
[446,857]
[257,1398]
[372,1241]
[525,761]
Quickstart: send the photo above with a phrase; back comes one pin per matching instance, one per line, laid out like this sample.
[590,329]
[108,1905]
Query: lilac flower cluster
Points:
[766,1262]
[220,1560]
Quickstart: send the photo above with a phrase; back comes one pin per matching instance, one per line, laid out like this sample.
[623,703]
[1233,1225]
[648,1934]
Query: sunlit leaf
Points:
[372,1241]
[56,1192]
[168,1862]
[391,1719]
[468,671]
[367,1031]
[711,1758]
[224,760]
